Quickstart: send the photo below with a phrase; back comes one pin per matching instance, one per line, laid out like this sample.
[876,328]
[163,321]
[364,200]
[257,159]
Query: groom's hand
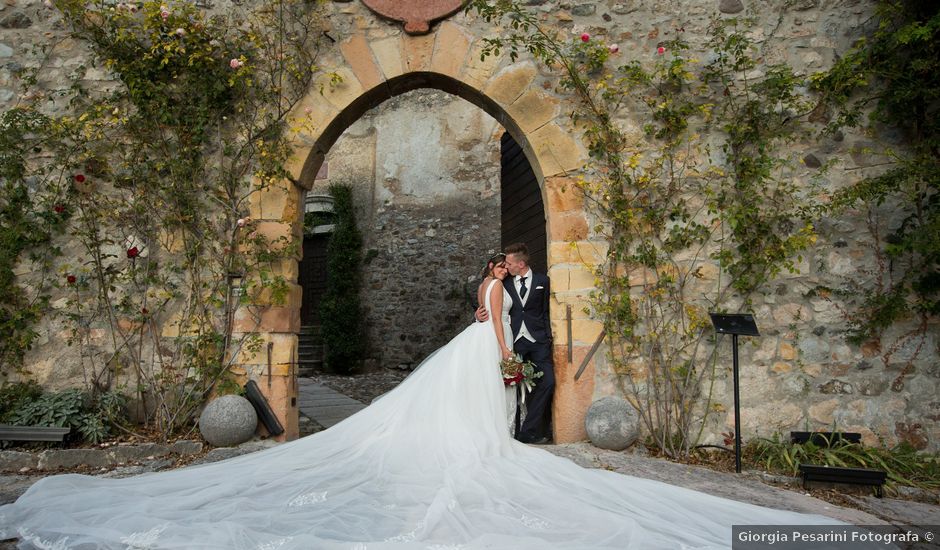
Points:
[482,315]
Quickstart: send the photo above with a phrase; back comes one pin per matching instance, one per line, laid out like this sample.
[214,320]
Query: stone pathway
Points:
[323,405]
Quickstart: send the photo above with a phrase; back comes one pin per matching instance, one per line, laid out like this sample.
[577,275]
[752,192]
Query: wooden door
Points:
[312,277]
[523,214]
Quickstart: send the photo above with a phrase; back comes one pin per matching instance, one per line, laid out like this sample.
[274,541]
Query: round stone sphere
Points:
[612,423]
[228,420]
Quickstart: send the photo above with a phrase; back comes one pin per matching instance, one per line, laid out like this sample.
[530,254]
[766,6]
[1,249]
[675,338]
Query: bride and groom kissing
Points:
[430,464]
[530,333]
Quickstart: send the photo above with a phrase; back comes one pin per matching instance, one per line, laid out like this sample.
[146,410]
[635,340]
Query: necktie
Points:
[522,288]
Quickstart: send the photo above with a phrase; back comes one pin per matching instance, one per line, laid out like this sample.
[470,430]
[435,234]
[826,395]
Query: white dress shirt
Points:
[517,280]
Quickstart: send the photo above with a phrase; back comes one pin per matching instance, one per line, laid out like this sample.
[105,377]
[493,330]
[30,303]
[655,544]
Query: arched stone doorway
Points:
[447,60]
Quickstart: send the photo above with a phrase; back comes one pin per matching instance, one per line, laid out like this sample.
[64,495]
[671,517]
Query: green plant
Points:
[339,308]
[156,177]
[27,223]
[74,408]
[698,212]
[315,219]
[14,394]
[903,464]
[888,84]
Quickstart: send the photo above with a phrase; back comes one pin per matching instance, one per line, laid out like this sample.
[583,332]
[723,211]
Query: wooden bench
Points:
[32,433]
[834,474]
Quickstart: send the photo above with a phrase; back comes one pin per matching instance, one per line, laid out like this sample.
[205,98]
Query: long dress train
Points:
[430,465]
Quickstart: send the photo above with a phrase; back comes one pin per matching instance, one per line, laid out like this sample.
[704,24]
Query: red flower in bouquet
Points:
[516,371]
[513,379]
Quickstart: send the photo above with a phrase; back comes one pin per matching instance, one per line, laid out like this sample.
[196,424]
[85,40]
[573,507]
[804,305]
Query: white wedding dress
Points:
[430,465]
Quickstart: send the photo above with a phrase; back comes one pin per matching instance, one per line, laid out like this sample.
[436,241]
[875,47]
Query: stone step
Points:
[310,330]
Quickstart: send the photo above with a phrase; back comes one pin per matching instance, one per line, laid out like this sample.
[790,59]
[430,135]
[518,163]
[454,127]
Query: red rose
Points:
[58,208]
[585,37]
[144,311]
[79,178]
[132,252]
[71,279]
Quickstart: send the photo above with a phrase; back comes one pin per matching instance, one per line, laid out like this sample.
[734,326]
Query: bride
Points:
[429,465]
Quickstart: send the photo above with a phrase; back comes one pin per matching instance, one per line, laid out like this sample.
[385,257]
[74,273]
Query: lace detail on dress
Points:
[40,544]
[511,404]
[533,523]
[407,537]
[274,544]
[144,539]
[308,498]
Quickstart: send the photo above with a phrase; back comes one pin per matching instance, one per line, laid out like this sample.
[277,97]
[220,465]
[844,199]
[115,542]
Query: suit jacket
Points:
[535,310]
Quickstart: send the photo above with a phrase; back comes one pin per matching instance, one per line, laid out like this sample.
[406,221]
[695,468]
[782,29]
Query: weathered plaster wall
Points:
[800,374]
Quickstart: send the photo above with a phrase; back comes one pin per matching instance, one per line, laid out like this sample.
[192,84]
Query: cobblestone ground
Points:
[363,387]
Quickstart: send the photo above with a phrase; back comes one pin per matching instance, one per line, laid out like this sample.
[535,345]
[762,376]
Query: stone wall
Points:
[424,168]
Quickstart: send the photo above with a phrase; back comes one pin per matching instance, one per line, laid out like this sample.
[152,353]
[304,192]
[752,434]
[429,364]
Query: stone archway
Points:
[374,70]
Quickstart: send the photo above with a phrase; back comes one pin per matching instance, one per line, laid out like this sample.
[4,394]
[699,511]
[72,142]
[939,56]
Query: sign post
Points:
[735,324]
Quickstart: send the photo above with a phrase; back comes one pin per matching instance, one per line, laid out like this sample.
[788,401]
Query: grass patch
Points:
[903,464]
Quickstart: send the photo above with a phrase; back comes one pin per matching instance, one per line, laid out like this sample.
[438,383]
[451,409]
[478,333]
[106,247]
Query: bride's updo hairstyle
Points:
[491,263]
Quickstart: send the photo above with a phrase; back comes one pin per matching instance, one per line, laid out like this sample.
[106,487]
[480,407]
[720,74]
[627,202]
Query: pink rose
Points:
[235,63]
[585,37]
[613,48]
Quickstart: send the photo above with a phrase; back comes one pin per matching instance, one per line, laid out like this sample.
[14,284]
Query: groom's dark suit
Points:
[533,311]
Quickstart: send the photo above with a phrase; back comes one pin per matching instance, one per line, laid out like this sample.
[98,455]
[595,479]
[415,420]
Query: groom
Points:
[532,338]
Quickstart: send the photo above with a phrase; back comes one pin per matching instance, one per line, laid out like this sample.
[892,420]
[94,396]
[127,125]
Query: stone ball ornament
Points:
[228,420]
[612,423]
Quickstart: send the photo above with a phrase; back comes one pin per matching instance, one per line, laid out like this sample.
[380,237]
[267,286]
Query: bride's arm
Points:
[496,302]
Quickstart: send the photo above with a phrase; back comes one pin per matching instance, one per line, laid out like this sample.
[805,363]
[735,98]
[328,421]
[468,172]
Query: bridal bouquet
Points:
[516,371]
